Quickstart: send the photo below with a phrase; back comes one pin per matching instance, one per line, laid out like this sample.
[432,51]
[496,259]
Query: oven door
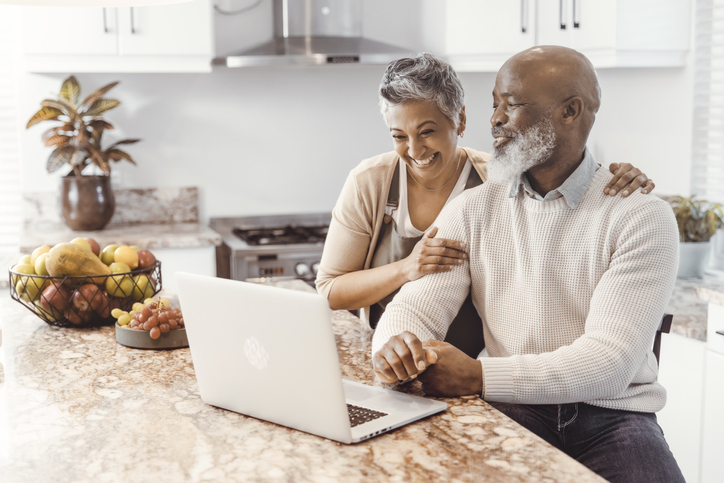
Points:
[300,264]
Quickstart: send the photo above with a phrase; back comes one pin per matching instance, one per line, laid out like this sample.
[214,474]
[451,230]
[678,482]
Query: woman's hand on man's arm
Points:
[433,255]
[362,288]
[627,178]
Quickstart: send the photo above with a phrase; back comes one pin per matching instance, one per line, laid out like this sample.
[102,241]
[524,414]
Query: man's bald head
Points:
[562,73]
[544,105]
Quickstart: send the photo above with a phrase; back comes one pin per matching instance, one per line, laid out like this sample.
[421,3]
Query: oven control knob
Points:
[315,268]
[302,269]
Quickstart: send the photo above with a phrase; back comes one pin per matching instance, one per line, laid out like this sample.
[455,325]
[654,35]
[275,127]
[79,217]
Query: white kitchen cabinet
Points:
[713,423]
[681,372]
[611,33]
[712,437]
[481,35]
[164,38]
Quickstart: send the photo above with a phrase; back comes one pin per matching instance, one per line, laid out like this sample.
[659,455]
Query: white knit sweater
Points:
[570,298]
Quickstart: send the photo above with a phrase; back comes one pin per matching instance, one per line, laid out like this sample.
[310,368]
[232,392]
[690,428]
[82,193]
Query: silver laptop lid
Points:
[266,356]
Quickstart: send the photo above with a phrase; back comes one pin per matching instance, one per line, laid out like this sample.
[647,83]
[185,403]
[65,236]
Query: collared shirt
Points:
[572,189]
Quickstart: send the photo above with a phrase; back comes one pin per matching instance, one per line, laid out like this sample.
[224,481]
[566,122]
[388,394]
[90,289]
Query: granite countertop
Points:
[689,306]
[77,406]
[712,293]
[145,235]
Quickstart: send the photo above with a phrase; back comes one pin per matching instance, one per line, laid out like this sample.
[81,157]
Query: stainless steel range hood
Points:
[315,32]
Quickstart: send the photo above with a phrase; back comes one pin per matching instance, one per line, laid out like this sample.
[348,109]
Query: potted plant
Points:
[698,221]
[86,200]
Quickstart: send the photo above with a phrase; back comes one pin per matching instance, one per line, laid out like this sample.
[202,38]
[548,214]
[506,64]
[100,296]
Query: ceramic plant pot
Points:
[693,258]
[86,202]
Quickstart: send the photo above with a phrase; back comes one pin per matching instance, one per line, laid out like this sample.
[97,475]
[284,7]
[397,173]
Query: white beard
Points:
[527,149]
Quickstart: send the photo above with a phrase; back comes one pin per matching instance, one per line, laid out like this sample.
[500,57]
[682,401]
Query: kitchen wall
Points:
[282,139]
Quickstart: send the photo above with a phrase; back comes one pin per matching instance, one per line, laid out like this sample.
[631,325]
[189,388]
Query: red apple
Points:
[90,298]
[146,259]
[54,299]
[77,317]
[95,247]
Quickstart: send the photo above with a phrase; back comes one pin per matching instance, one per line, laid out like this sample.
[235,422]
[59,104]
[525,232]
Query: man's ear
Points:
[572,110]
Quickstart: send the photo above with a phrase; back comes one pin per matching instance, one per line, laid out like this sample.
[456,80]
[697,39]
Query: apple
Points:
[25,268]
[29,288]
[25,259]
[143,288]
[90,298]
[37,252]
[85,297]
[40,268]
[146,259]
[119,286]
[127,255]
[44,314]
[82,242]
[107,255]
[118,267]
[54,299]
[95,247]
[75,316]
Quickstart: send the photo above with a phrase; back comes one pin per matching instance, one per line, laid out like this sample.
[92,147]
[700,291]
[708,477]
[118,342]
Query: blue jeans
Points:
[621,446]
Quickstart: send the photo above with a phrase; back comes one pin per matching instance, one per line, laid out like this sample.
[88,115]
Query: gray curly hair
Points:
[422,78]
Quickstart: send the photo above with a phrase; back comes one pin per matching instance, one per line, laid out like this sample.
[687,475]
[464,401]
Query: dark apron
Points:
[466,331]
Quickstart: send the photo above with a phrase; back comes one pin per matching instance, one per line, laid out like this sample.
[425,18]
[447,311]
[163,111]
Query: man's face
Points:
[522,124]
[521,151]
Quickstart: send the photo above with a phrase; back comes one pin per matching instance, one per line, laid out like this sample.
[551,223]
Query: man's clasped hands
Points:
[443,369]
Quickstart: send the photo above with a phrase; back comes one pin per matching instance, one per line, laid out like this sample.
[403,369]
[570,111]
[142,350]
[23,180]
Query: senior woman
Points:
[382,232]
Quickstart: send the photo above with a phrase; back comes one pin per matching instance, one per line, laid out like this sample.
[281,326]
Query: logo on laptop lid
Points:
[256,353]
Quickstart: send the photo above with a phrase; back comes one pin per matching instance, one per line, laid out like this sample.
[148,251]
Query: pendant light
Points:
[89,3]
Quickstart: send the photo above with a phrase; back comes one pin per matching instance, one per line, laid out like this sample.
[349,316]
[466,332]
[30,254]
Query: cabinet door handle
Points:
[524,16]
[105,21]
[562,6]
[576,14]
[133,21]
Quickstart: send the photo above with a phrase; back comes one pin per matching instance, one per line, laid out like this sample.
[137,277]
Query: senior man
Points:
[570,284]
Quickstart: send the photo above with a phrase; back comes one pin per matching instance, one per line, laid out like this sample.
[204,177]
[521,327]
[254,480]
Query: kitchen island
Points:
[76,406]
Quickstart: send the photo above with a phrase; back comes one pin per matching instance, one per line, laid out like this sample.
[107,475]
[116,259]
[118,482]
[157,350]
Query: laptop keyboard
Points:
[359,415]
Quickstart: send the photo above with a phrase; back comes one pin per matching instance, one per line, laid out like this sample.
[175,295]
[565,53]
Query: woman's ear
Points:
[463,120]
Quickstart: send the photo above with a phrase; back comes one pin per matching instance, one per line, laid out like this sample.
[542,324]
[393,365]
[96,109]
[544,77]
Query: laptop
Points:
[270,353]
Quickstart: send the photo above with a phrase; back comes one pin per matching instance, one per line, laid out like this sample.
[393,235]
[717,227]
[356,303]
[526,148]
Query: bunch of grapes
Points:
[154,316]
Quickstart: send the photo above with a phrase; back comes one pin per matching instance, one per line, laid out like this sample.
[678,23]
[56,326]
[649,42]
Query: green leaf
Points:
[63,105]
[125,141]
[698,220]
[100,125]
[117,155]
[99,160]
[70,90]
[66,128]
[44,114]
[88,101]
[59,157]
[58,140]
[100,106]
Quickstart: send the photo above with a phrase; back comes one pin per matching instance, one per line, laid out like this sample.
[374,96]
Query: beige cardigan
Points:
[357,218]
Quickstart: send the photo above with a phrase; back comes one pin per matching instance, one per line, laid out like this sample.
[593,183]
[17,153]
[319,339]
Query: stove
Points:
[269,246]
[282,235]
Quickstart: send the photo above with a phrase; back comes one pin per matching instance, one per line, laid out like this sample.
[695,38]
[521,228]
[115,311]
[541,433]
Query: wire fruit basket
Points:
[84,301]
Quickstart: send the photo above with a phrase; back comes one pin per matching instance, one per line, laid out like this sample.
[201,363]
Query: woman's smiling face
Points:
[425,139]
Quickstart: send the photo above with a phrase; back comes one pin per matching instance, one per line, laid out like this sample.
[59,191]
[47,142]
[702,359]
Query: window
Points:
[10,196]
[707,180]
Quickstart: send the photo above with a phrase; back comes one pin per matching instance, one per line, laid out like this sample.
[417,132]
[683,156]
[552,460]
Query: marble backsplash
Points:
[166,205]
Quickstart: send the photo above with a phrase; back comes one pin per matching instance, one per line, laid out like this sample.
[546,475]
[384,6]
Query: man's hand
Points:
[454,373]
[402,358]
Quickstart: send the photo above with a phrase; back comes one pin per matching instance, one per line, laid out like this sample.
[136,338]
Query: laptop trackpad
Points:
[354,391]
